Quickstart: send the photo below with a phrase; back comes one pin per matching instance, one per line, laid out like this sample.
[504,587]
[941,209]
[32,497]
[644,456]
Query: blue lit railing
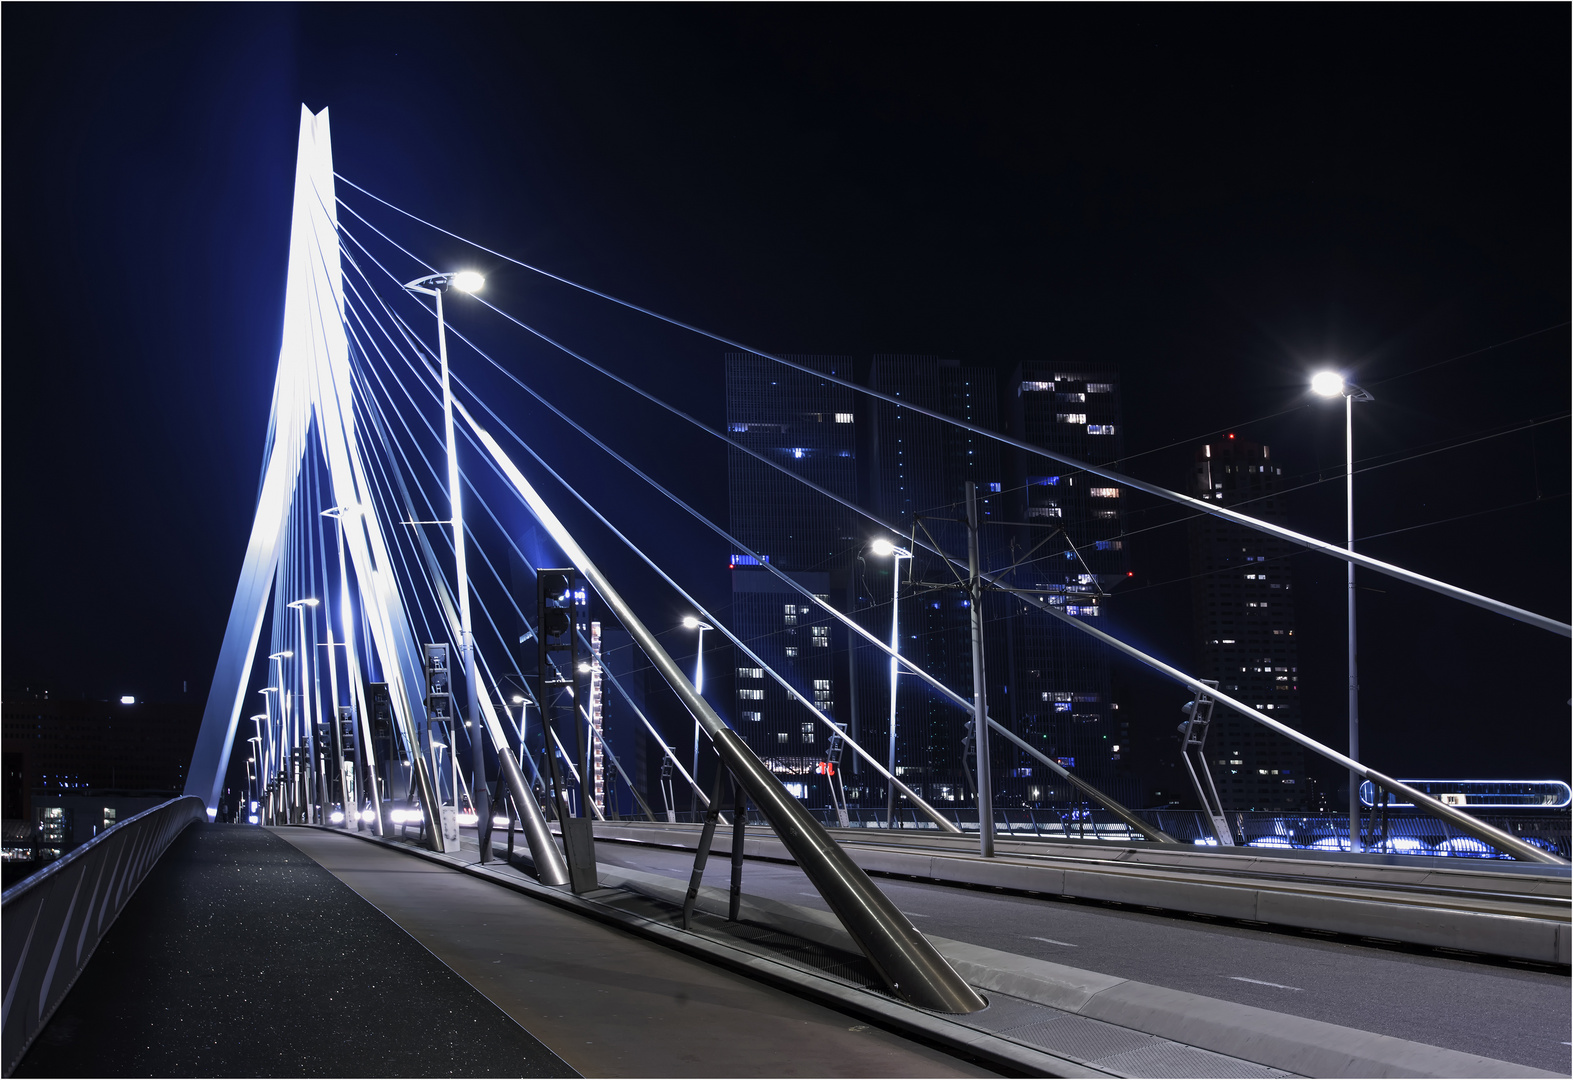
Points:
[1403,832]
[54,919]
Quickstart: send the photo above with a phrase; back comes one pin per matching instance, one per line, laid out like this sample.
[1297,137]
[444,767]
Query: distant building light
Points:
[127,699]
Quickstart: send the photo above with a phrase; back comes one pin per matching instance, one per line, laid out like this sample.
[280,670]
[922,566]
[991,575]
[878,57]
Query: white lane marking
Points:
[1259,982]
[915,915]
[1051,941]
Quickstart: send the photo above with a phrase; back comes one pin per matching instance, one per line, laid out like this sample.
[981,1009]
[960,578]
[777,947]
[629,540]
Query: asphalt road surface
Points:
[1511,1012]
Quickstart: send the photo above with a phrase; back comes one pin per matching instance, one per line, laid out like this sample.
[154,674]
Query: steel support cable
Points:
[1109,803]
[394,630]
[1428,450]
[436,569]
[1114,806]
[375,495]
[413,341]
[1469,440]
[441,591]
[479,499]
[1496,837]
[1464,821]
[660,740]
[437,586]
[1523,850]
[431,572]
[1388,569]
[906,961]
[942,822]
[432,469]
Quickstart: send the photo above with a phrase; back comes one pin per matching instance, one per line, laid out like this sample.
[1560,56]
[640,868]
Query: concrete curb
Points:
[1013,1058]
[1362,910]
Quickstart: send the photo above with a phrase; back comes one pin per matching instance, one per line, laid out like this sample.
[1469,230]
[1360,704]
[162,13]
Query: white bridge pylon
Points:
[312,395]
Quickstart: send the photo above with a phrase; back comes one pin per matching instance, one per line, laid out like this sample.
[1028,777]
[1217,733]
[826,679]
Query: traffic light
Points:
[439,687]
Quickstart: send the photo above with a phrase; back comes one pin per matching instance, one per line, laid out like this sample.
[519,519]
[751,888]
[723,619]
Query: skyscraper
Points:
[1070,548]
[806,425]
[1048,528]
[1242,595]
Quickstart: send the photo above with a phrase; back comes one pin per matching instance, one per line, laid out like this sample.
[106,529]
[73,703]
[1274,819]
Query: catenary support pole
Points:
[980,714]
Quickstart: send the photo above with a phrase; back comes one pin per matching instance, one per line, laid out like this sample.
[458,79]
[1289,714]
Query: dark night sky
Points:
[1213,200]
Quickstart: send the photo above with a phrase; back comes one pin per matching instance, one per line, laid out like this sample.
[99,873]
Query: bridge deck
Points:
[246,953]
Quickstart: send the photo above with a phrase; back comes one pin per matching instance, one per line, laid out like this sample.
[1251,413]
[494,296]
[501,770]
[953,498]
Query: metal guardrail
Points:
[51,922]
[1402,833]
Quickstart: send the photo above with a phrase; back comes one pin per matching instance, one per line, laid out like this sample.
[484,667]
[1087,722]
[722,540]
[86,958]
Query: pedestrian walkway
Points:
[607,1002]
[240,956]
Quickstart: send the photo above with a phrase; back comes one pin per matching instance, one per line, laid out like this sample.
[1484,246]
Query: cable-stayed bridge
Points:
[396,518]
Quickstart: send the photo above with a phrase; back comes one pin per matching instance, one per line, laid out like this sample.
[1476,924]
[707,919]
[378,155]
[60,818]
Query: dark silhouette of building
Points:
[74,767]
[808,425]
[1243,601]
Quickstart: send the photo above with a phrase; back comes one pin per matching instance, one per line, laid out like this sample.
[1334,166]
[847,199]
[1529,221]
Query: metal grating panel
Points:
[1081,1037]
[1006,1012]
[1169,1059]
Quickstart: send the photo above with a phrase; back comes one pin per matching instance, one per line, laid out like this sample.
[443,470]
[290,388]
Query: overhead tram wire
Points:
[1342,554]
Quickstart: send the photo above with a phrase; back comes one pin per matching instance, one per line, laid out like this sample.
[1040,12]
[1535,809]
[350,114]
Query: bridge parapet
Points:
[54,919]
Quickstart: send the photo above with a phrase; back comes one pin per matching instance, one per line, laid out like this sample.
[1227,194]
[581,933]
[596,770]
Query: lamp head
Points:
[463,280]
[882,547]
[285,655]
[1327,384]
[309,601]
[518,699]
[690,623]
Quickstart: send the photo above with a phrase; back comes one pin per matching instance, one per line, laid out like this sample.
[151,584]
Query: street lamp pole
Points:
[308,727]
[884,547]
[365,758]
[435,286]
[691,623]
[1332,384]
[267,771]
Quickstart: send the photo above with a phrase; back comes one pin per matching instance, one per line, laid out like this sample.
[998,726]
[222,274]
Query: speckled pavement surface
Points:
[240,956]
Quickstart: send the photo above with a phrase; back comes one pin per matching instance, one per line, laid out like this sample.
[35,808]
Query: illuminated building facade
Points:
[1242,596]
[1045,681]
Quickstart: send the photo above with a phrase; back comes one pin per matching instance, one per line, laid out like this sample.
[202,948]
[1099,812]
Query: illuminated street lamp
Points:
[885,549]
[308,727]
[256,761]
[690,622]
[269,752]
[282,700]
[364,758]
[435,285]
[1331,384]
